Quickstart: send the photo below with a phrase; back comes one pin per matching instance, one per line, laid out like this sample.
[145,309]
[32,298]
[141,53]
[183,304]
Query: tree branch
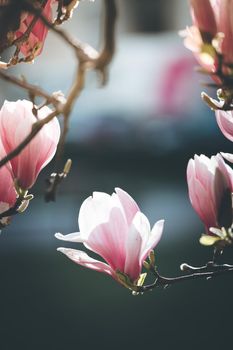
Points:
[33,89]
[210,270]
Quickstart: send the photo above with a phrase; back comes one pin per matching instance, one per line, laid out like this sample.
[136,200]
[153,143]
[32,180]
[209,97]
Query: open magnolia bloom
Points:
[16,121]
[115,228]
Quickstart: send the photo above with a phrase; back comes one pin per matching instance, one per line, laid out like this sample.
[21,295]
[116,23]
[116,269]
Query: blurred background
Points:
[137,133]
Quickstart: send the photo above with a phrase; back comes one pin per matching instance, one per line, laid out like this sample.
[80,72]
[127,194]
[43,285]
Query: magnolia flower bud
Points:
[210,183]
[34,44]
[16,121]
[115,228]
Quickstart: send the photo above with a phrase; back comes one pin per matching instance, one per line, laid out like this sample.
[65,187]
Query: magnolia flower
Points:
[115,228]
[210,184]
[212,33]
[16,121]
[225,123]
[34,44]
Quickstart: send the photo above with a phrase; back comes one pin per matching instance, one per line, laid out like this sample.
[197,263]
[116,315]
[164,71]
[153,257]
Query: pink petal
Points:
[202,203]
[200,185]
[201,177]
[133,248]
[7,188]
[108,240]
[139,242]
[225,26]
[225,123]
[205,170]
[226,171]
[130,207]
[81,258]
[203,16]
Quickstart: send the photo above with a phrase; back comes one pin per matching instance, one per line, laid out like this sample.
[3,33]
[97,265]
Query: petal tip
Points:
[59,235]
[61,250]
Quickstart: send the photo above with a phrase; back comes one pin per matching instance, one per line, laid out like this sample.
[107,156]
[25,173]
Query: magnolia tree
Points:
[113,226]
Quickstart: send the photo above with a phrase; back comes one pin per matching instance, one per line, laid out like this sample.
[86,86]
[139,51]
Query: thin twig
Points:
[108,50]
[205,272]
[73,95]
[35,90]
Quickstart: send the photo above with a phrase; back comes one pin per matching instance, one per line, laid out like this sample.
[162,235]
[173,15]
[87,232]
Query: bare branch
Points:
[107,53]
[33,89]
[210,270]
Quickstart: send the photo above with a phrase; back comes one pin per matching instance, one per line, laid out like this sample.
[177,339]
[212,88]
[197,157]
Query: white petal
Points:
[142,225]
[71,237]
[153,240]
[94,211]
[228,156]
[128,204]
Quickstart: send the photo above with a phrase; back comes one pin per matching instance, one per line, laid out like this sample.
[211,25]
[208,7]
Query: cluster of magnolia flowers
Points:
[210,180]
[113,226]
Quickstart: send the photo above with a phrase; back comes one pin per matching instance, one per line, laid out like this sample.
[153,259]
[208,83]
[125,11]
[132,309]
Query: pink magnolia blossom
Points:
[225,123]
[34,44]
[115,228]
[210,180]
[16,121]
[212,33]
